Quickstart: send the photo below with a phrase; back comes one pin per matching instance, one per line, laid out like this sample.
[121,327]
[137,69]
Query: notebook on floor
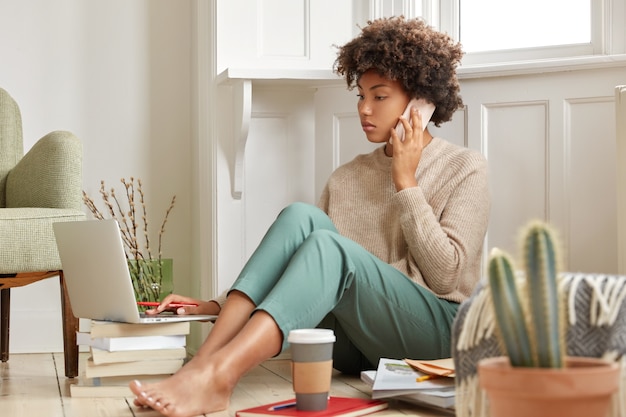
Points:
[97,276]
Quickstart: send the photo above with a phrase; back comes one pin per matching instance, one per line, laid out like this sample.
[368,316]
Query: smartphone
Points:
[425,107]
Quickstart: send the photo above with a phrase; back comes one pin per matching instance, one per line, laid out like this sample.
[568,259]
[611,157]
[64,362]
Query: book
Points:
[100,356]
[337,406]
[98,328]
[432,400]
[114,344]
[440,399]
[168,366]
[104,387]
[397,379]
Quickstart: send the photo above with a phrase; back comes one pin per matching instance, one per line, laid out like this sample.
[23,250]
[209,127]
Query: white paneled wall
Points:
[590,182]
[549,138]
[277,167]
[519,185]
[278,163]
[550,143]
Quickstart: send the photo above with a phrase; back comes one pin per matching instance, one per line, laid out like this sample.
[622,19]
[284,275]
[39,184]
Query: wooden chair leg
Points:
[5,320]
[70,327]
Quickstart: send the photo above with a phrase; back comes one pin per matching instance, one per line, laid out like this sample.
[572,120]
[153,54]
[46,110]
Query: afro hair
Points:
[411,52]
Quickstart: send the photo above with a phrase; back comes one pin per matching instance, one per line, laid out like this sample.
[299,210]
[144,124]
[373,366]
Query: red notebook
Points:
[337,406]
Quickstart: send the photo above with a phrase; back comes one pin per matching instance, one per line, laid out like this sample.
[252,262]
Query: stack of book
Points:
[426,383]
[121,352]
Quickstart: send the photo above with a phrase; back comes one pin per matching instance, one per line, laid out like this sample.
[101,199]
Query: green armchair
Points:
[37,189]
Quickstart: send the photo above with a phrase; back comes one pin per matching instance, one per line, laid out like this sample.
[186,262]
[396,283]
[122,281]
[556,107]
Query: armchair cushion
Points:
[11,146]
[36,189]
[27,239]
[49,175]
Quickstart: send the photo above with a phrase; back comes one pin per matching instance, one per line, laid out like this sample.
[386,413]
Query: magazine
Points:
[397,379]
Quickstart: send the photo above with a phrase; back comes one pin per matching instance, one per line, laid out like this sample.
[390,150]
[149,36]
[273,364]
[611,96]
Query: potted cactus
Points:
[537,378]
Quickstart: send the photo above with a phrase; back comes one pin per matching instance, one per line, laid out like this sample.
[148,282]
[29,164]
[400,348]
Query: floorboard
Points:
[34,384]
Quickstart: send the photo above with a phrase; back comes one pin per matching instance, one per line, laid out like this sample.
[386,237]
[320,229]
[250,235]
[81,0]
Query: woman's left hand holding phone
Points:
[407,153]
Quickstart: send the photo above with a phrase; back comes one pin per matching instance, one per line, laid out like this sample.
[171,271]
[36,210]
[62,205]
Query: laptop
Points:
[96,274]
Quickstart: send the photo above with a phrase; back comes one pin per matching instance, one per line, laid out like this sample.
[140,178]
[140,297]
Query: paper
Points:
[439,367]
[396,377]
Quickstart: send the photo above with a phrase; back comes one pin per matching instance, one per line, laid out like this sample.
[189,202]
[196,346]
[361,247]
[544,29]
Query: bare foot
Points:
[192,391]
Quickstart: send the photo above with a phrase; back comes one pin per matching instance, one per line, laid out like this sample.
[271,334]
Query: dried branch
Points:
[127,219]
[127,235]
[144,218]
[92,206]
[167,213]
[130,196]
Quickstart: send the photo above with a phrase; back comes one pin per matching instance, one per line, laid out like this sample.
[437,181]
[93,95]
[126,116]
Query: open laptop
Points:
[97,276]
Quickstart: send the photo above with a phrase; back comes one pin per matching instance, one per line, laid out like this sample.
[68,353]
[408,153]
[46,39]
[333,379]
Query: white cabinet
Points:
[281,34]
[286,122]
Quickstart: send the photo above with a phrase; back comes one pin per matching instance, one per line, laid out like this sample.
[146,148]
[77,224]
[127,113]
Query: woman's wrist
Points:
[213,307]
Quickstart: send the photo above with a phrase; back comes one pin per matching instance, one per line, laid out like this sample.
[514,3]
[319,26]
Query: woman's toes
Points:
[137,389]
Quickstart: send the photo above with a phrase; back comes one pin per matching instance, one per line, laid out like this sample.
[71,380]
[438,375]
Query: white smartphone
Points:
[426,108]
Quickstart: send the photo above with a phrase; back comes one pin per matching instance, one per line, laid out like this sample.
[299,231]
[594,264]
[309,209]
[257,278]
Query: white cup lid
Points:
[311,336]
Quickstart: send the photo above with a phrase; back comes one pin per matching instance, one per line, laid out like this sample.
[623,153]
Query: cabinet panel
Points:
[516,140]
[293,20]
[591,176]
[277,169]
[281,34]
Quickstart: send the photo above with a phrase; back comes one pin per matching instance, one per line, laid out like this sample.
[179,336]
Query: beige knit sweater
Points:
[434,232]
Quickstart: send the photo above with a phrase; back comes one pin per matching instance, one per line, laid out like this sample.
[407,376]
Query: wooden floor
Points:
[35,385]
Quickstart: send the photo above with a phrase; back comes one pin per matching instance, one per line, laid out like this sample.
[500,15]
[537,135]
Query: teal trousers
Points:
[305,274]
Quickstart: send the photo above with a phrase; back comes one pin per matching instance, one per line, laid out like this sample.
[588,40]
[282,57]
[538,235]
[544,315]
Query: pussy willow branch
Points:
[130,196]
[167,213]
[105,198]
[132,228]
[127,234]
[121,220]
[144,217]
[147,276]
[92,206]
[127,220]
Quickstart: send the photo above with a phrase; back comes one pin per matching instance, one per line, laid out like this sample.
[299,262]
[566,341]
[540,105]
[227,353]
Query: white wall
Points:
[117,74]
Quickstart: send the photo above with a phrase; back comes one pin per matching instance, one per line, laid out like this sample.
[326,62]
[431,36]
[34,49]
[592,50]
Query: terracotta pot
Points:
[582,389]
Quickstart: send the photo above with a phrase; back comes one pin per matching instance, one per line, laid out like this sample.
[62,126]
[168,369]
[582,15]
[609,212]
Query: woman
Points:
[393,248]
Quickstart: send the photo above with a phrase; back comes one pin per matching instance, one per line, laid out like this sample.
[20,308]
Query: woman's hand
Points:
[407,153]
[195,307]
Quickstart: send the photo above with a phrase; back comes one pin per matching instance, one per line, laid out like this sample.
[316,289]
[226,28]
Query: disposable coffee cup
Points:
[311,367]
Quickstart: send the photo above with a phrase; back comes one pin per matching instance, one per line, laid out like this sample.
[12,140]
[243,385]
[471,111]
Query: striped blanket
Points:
[596,327]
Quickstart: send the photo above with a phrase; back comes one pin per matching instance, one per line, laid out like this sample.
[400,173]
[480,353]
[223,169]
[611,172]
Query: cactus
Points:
[535,339]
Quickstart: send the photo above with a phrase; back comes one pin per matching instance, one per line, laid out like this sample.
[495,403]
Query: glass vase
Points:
[152,278]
